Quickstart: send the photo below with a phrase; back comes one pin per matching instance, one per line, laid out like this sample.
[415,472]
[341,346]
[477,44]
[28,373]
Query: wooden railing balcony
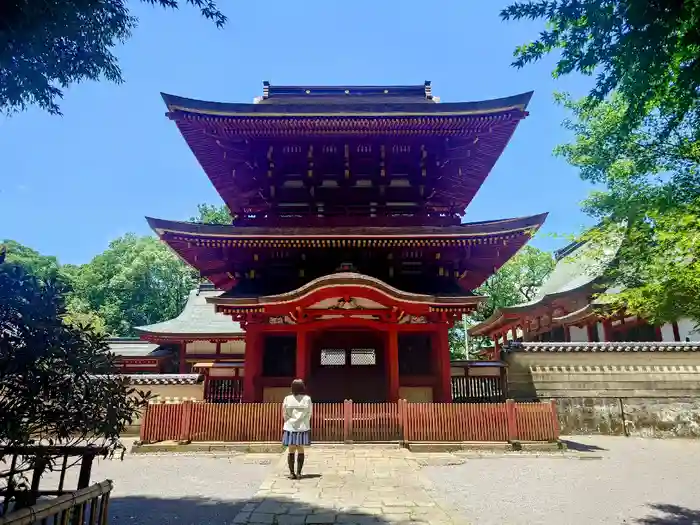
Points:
[88,506]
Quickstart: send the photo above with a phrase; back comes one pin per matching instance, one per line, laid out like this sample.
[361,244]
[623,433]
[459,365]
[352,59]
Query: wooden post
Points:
[182,362]
[443,352]
[607,331]
[85,469]
[249,366]
[497,349]
[676,331]
[392,364]
[186,422]
[511,419]
[403,421]
[657,333]
[555,419]
[302,361]
[347,421]
[590,332]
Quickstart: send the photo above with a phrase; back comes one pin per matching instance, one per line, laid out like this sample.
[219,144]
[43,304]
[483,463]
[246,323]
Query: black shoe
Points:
[290,464]
[300,465]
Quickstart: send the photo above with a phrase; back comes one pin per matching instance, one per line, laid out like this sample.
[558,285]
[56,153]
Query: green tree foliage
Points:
[516,282]
[47,45]
[651,197]
[212,214]
[136,281]
[46,388]
[637,136]
[41,266]
[647,50]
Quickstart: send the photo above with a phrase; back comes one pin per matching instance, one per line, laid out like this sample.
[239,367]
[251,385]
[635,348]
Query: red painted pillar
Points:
[250,368]
[443,350]
[607,331]
[182,363]
[676,332]
[392,364]
[302,360]
[497,349]
[590,328]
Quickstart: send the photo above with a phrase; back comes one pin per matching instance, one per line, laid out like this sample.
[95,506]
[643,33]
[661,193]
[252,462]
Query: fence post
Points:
[402,421]
[555,418]
[347,420]
[186,422]
[511,419]
[143,431]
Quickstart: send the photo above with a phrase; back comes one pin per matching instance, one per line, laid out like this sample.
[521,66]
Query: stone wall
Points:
[641,417]
[642,389]
[537,375]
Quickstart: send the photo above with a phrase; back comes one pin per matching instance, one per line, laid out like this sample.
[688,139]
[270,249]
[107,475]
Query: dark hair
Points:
[298,387]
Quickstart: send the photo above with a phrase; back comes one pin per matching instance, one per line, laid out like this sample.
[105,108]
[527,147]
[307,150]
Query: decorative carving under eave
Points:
[346,303]
[418,319]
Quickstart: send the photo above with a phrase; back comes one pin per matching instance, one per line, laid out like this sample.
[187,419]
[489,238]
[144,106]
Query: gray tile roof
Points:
[633,346]
[123,347]
[164,379]
[579,266]
[198,318]
[157,379]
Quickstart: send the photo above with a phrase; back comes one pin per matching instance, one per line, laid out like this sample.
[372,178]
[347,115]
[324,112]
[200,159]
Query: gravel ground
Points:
[638,481]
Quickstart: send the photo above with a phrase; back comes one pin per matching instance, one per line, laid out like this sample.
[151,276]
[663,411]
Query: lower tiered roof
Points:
[418,259]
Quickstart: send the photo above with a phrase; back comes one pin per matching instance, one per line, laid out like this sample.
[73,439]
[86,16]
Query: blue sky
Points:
[69,185]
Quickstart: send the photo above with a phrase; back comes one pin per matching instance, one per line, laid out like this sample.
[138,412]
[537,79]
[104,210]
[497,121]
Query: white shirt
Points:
[297,413]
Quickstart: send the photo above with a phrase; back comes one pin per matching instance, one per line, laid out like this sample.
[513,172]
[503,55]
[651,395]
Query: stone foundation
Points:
[639,417]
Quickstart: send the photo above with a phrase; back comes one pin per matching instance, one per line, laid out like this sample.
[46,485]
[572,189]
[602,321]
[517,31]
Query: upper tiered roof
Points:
[316,153]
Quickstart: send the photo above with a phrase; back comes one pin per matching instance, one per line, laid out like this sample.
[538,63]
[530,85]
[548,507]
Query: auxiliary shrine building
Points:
[566,309]
[346,261]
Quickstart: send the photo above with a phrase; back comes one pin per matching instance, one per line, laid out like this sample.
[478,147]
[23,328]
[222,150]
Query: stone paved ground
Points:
[637,481]
[348,486]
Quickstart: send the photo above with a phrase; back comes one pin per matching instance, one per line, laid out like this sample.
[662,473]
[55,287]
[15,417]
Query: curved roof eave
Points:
[495,227]
[234,109]
[346,279]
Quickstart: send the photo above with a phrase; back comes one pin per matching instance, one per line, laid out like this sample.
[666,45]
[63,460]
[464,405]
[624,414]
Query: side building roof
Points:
[198,320]
[620,347]
[129,347]
[579,266]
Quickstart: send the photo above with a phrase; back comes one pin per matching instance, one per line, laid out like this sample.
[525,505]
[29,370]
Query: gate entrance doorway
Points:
[348,365]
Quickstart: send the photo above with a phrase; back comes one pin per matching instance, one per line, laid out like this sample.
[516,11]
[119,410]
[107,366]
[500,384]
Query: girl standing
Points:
[296,410]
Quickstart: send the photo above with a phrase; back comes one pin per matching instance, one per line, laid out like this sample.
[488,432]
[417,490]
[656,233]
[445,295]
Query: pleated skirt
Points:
[296,438]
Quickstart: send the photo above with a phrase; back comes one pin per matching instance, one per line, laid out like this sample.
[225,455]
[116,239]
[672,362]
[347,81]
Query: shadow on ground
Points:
[671,515]
[581,447]
[195,511]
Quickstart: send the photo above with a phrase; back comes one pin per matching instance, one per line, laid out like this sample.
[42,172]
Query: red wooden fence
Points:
[355,422]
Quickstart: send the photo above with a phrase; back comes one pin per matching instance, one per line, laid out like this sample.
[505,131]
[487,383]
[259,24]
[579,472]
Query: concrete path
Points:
[348,486]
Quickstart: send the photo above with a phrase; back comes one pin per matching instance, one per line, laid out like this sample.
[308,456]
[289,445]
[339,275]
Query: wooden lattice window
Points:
[333,357]
[363,357]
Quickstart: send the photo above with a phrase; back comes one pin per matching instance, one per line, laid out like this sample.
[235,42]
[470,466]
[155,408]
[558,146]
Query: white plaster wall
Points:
[578,335]
[200,347]
[601,331]
[686,328]
[667,332]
